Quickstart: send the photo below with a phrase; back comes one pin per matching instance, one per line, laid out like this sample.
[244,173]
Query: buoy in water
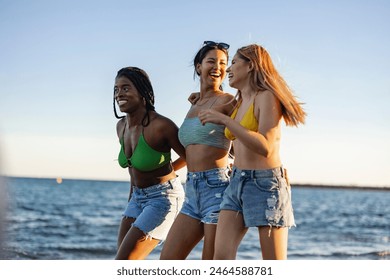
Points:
[59,180]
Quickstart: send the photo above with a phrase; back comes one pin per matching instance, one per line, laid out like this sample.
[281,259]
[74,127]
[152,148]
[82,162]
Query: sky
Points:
[58,61]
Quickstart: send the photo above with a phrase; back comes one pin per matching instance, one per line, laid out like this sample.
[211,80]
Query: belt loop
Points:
[252,174]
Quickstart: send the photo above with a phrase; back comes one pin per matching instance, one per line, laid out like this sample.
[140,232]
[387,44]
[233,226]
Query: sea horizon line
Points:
[60,180]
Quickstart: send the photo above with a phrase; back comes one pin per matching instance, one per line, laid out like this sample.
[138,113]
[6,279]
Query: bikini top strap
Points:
[214,101]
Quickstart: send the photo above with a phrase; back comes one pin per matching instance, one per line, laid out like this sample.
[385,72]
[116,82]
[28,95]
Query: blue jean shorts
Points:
[262,196]
[155,208]
[203,194]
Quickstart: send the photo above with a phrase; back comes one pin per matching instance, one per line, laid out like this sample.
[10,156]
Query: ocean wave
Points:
[78,252]
[80,220]
[374,255]
[58,253]
[10,253]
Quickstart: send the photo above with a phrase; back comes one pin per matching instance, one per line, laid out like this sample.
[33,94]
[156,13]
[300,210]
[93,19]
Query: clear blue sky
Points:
[58,60]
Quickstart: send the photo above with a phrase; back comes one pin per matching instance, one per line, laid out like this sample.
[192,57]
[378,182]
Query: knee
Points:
[223,255]
[167,254]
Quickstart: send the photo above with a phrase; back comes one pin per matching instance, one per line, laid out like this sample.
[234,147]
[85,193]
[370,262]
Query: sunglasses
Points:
[212,44]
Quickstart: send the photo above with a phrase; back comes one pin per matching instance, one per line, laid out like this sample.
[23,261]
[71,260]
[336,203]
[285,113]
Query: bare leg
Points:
[183,236]
[209,241]
[230,231]
[273,242]
[123,229]
[135,245]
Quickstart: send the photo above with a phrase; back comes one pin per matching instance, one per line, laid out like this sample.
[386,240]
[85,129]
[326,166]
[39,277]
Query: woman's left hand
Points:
[194,97]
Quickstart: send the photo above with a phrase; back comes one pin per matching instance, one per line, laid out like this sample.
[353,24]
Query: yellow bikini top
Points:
[248,121]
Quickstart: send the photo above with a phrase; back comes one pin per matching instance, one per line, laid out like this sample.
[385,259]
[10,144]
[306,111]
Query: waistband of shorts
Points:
[259,173]
[156,187]
[208,173]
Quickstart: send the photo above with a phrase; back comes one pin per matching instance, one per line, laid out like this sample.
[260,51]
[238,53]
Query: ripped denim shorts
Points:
[203,194]
[155,208]
[262,196]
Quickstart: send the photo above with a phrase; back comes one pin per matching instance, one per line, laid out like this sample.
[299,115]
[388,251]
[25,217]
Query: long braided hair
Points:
[144,87]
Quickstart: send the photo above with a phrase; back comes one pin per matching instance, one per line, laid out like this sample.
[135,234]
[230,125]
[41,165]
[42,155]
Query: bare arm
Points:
[267,112]
[173,141]
[120,125]
[179,163]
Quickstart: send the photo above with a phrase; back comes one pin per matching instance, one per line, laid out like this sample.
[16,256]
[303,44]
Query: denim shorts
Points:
[203,194]
[156,207]
[262,196]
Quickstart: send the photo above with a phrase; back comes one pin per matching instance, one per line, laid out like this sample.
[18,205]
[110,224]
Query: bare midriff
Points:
[202,157]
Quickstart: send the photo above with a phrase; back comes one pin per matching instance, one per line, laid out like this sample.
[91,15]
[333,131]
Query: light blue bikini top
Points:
[193,132]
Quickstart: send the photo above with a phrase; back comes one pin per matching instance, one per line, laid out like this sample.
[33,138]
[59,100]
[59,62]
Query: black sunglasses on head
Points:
[221,46]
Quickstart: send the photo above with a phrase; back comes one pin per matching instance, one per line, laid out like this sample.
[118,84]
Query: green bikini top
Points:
[144,157]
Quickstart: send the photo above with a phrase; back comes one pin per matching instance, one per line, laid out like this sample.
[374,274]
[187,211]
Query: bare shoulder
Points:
[268,104]
[161,122]
[265,94]
[228,102]
[226,97]
[265,98]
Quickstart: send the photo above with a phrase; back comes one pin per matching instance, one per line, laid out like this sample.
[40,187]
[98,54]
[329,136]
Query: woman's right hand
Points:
[211,116]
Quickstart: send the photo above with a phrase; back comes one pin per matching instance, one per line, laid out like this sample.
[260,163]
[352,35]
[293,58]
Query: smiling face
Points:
[127,96]
[238,72]
[212,69]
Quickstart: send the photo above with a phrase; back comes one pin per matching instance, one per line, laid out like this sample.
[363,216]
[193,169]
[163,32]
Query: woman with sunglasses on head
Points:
[258,194]
[207,159]
[146,139]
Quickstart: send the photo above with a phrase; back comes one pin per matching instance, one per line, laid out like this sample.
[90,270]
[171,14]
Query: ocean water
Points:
[78,220]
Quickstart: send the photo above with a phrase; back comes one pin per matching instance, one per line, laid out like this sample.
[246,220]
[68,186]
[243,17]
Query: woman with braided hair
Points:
[146,139]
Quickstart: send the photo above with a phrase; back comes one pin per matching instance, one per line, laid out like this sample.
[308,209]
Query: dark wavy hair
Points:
[144,87]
